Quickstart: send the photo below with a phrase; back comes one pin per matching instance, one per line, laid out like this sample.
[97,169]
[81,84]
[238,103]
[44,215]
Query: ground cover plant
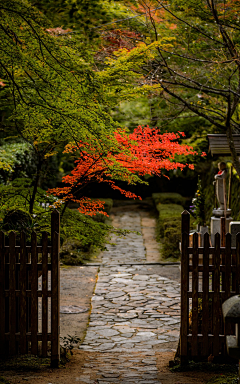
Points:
[169,208]
[225,373]
[169,229]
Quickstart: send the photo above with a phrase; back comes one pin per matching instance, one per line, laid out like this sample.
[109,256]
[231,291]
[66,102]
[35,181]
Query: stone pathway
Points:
[135,313]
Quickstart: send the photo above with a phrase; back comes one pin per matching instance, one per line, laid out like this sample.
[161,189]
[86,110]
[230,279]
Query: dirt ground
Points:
[72,370]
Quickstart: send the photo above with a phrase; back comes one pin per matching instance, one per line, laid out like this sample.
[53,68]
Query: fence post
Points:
[223,231]
[23,296]
[34,294]
[12,293]
[205,299]
[184,286]
[55,287]
[238,263]
[2,296]
[216,298]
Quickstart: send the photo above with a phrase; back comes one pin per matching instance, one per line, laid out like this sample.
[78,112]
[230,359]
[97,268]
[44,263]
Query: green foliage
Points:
[16,196]
[228,369]
[79,227]
[172,238]
[24,363]
[168,198]
[83,15]
[4,381]
[169,229]
[16,160]
[224,379]
[198,207]
[17,220]
[55,96]
[168,212]
[169,226]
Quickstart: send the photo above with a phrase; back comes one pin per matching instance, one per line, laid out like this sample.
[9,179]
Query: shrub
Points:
[168,198]
[17,219]
[169,228]
[169,214]
[75,225]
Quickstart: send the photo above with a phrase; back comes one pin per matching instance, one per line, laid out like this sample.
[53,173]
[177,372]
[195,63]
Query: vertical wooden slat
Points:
[55,301]
[205,300]
[44,293]
[223,231]
[34,295]
[2,296]
[235,276]
[216,298]
[23,297]
[229,188]
[237,258]
[55,288]
[195,296]
[227,267]
[184,287]
[12,294]
[226,295]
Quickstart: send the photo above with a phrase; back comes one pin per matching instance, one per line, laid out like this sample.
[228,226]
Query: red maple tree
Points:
[145,151]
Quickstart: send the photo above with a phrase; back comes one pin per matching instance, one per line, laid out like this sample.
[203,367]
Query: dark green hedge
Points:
[168,198]
[169,229]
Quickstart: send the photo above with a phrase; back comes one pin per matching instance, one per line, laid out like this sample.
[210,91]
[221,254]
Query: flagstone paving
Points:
[135,313]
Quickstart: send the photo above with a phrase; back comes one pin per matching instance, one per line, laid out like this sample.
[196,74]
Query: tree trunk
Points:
[64,208]
[35,186]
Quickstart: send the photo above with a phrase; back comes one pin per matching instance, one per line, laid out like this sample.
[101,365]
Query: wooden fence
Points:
[29,294]
[209,276]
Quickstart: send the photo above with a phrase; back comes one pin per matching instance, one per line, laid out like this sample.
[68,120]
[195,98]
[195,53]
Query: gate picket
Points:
[205,298]
[2,293]
[12,296]
[195,296]
[23,297]
[44,293]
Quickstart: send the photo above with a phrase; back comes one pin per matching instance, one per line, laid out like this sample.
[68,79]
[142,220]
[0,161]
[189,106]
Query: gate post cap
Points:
[231,309]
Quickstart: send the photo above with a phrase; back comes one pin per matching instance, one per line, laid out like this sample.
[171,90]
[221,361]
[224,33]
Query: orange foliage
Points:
[145,151]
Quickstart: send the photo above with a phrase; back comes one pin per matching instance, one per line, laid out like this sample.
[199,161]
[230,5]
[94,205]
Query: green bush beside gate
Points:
[169,207]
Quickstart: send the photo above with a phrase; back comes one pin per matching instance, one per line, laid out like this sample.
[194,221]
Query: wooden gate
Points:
[29,294]
[209,276]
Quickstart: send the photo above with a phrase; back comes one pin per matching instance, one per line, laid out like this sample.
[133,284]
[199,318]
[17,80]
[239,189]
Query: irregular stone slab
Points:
[107,332]
[146,334]
[97,298]
[114,294]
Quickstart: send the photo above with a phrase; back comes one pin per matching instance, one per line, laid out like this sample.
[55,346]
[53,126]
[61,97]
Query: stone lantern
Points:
[231,315]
